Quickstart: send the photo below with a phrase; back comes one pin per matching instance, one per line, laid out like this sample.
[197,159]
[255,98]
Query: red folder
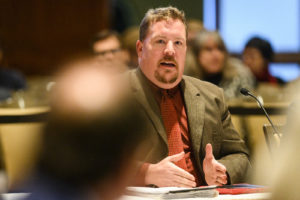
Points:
[241,189]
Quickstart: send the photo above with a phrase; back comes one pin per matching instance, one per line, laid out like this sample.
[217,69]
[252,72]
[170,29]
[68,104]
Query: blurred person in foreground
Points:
[193,141]
[108,50]
[257,55]
[216,66]
[10,80]
[92,138]
[291,87]
[285,177]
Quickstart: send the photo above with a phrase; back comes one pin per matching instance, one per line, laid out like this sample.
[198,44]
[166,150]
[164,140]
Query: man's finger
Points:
[176,157]
[221,168]
[219,173]
[208,152]
[182,182]
[182,173]
[218,183]
[222,180]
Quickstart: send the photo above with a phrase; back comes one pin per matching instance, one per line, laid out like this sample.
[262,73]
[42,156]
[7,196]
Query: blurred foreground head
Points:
[94,132]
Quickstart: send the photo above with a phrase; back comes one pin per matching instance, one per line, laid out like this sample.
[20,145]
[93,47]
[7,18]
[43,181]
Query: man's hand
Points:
[167,174]
[215,172]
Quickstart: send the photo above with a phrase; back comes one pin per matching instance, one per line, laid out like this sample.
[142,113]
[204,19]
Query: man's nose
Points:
[169,50]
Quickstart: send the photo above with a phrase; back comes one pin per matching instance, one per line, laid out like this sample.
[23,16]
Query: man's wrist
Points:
[148,174]
[141,175]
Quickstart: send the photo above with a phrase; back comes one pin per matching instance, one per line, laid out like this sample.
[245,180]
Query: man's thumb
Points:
[208,152]
[176,157]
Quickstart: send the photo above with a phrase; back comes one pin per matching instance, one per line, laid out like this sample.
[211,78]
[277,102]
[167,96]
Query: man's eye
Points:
[160,41]
[179,43]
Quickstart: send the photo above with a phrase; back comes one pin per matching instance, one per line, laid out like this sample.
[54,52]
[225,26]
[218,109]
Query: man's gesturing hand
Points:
[215,172]
[167,174]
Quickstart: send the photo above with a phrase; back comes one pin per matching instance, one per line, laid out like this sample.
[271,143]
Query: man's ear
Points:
[139,47]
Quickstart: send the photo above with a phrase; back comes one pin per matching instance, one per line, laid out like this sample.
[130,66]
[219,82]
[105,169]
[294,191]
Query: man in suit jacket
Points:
[212,151]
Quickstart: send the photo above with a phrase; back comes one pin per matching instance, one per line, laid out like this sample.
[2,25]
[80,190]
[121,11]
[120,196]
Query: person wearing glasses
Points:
[108,50]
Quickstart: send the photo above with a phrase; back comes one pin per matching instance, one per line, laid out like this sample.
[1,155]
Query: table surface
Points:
[254,196]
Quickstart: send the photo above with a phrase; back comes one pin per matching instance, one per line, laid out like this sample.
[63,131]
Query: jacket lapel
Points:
[195,108]
[144,95]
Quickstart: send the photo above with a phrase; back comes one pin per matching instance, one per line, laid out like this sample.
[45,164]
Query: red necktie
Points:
[169,116]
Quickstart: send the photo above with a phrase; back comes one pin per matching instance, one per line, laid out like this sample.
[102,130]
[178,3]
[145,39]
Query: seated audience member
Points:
[10,80]
[91,140]
[216,66]
[257,55]
[193,141]
[129,38]
[194,26]
[108,49]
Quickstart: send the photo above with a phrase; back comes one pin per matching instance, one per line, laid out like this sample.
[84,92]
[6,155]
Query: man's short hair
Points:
[159,14]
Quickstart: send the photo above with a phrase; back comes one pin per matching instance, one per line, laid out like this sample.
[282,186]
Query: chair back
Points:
[20,132]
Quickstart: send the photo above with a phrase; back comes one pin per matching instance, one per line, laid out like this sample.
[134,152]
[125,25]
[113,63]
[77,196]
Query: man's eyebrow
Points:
[180,38]
[159,36]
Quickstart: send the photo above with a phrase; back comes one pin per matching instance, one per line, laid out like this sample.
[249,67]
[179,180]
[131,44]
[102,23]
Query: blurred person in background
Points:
[10,80]
[257,55]
[216,66]
[91,140]
[194,26]
[107,48]
[129,39]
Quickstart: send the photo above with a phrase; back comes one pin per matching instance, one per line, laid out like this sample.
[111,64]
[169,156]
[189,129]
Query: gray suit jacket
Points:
[209,122]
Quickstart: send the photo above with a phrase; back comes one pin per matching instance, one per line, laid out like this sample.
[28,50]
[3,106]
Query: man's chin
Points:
[166,80]
[166,76]
[167,83]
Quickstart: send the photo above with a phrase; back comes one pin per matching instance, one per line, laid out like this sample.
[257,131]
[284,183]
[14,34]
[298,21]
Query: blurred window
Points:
[285,71]
[275,20]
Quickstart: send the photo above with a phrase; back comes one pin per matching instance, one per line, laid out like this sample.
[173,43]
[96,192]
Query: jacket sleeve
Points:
[234,153]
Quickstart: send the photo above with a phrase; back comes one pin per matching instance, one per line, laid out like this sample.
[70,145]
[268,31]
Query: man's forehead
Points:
[167,22]
[158,26]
